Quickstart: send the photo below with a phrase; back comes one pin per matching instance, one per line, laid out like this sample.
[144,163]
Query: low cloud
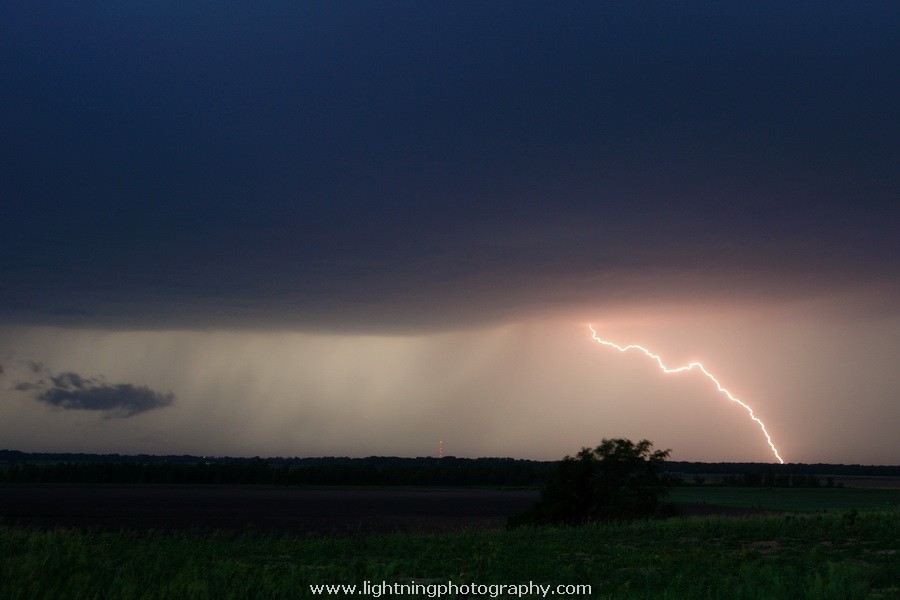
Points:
[71,391]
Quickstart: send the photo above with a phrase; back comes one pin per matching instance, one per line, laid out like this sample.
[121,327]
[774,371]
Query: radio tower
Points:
[440,448]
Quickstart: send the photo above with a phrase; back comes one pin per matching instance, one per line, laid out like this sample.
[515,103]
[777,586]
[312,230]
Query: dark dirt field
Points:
[275,510]
[263,509]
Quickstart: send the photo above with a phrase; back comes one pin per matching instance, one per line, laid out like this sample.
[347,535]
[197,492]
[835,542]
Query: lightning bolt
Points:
[691,367]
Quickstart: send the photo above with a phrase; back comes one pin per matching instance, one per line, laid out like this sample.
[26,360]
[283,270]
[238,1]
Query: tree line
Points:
[363,472]
[22,467]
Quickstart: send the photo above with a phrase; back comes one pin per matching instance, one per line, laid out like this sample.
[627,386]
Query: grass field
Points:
[791,499]
[834,555]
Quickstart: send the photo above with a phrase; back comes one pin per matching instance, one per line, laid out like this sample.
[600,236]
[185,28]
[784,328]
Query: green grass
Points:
[791,499]
[816,556]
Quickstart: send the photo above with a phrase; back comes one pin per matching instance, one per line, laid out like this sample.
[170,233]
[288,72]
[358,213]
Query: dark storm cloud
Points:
[34,366]
[348,164]
[69,381]
[71,391]
[120,400]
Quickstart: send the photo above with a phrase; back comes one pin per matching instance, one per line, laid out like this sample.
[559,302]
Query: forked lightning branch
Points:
[690,367]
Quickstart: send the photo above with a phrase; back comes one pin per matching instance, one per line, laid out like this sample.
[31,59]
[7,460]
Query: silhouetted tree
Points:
[617,480]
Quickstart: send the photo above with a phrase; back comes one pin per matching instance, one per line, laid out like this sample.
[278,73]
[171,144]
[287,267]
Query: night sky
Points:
[348,228]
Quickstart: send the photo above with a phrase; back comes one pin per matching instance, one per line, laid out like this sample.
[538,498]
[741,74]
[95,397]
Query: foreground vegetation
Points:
[834,555]
[618,480]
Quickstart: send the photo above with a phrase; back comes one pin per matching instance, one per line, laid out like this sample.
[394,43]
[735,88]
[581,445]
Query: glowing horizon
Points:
[689,367]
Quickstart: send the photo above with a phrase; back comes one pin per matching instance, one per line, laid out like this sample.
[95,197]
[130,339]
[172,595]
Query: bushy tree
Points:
[618,480]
